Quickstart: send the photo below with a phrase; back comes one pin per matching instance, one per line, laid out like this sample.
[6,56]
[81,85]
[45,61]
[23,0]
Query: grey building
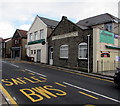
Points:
[65,44]
[71,46]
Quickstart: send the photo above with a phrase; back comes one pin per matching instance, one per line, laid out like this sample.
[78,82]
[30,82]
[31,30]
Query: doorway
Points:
[51,56]
[39,56]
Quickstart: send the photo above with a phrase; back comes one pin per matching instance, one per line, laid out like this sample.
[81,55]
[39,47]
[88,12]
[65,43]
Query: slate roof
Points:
[99,19]
[82,27]
[49,22]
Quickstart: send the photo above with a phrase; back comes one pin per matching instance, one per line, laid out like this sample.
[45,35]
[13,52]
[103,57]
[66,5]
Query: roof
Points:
[99,19]
[4,40]
[23,33]
[82,27]
[49,22]
[7,39]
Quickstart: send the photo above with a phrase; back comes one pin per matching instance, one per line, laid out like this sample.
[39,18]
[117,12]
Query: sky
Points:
[20,14]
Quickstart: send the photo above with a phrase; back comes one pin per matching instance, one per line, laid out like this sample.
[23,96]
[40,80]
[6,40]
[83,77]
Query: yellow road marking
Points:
[88,95]
[82,74]
[12,101]
[60,84]
[31,73]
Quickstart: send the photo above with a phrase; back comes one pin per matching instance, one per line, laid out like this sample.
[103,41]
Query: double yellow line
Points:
[11,100]
[82,74]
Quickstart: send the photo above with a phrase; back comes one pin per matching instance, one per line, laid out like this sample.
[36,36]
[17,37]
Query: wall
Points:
[103,63]
[8,47]
[37,26]
[66,28]
[23,53]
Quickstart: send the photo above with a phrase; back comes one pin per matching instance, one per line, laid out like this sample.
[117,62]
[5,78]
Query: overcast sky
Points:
[19,14]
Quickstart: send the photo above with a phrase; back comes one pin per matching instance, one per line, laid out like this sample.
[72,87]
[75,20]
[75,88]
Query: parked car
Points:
[117,76]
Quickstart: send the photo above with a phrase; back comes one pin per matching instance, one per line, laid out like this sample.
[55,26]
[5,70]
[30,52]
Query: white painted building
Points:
[37,46]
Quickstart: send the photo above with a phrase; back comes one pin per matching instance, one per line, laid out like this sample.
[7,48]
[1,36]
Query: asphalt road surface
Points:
[34,84]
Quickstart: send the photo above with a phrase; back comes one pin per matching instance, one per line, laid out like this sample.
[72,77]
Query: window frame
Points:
[30,37]
[31,52]
[35,35]
[108,27]
[64,57]
[42,34]
[34,51]
[82,44]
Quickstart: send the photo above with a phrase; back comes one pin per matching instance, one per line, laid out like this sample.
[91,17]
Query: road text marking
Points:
[39,93]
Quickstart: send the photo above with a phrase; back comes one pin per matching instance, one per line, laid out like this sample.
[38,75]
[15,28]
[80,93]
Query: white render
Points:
[37,25]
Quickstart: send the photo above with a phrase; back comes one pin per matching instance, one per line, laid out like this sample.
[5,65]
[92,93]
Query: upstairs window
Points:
[16,41]
[108,27]
[42,34]
[30,37]
[64,51]
[35,35]
[82,51]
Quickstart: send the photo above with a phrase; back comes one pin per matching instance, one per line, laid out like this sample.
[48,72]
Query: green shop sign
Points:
[36,42]
[106,37]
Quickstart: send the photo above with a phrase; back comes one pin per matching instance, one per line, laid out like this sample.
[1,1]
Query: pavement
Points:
[3,101]
[106,75]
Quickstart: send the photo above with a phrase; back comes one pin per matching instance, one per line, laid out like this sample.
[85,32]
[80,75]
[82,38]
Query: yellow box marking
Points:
[88,95]
[12,101]
[60,84]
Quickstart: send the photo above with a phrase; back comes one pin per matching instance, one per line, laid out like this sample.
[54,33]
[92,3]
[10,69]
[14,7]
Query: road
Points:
[28,83]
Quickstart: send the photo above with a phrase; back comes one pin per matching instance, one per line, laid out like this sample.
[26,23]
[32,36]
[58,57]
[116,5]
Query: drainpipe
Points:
[88,36]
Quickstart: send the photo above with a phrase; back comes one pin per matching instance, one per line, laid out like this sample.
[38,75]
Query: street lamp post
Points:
[88,36]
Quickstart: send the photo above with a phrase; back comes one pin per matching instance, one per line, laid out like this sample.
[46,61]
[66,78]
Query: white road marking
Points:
[14,98]
[3,61]
[14,65]
[10,64]
[36,73]
[112,99]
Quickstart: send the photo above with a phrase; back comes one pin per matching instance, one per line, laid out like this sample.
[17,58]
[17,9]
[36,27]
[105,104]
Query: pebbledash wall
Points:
[68,33]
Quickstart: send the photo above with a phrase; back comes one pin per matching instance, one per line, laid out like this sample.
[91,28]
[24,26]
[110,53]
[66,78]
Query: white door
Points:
[51,56]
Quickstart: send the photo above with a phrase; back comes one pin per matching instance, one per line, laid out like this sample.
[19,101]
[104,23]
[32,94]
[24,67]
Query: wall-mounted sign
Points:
[106,37]
[105,54]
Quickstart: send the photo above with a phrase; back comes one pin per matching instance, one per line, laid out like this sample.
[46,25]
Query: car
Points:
[117,76]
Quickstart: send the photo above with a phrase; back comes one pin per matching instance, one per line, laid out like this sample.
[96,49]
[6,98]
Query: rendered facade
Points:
[37,46]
